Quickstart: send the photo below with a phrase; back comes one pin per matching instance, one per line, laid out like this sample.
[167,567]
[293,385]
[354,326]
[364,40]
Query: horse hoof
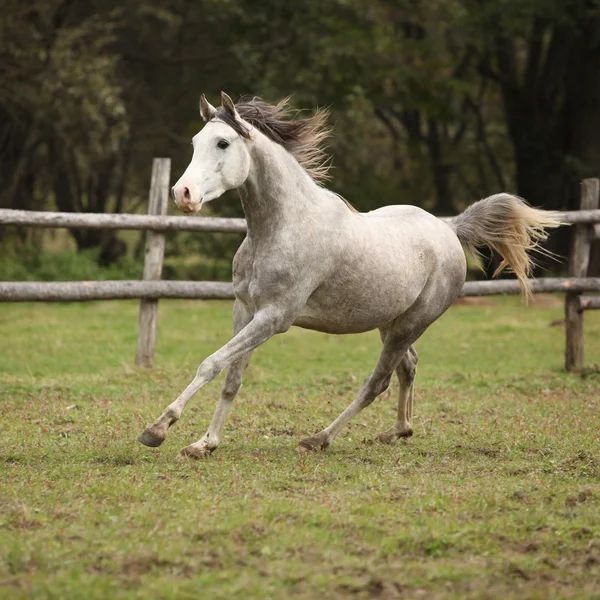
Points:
[194,452]
[392,436]
[311,444]
[152,438]
[388,437]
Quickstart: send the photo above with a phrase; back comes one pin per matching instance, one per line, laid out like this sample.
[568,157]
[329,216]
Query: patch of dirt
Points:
[24,524]
[131,568]
[583,533]
[520,497]
[518,573]
[583,463]
[374,587]
[518,472]
[580,498]
[488,452]
[282,431]
[557,323]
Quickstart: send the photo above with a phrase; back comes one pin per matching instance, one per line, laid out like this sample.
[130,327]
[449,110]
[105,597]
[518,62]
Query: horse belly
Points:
[360,305]
[379,282]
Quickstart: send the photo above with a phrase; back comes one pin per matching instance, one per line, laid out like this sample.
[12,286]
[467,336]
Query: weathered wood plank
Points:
[581,216]
[153,261]
[170,223]
[120,221]
[589,302]
[578,266]
[574,350]
[82,291]
[545,285]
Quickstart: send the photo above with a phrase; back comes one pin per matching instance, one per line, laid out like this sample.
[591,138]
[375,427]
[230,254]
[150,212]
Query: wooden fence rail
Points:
[29,218]
[589,302]
[159,223]
[82,291]
[586,229]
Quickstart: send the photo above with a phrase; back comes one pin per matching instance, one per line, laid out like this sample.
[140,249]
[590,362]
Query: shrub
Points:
[31,264]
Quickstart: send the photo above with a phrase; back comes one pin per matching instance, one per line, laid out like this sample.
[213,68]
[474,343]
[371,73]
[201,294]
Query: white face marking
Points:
[220,162]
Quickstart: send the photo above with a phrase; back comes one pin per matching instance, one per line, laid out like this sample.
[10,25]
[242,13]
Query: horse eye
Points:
[222,144]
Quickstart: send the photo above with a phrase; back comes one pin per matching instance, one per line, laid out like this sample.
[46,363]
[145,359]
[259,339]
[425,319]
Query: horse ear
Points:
[228,104]
[207,110]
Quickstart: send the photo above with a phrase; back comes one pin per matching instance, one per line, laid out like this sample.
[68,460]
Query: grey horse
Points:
[309,259]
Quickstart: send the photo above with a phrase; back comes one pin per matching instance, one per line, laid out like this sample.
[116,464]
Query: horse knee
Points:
[209,369]
[230,388]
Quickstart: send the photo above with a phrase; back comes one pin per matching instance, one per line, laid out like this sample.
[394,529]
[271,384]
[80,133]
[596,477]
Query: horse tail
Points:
[511,227]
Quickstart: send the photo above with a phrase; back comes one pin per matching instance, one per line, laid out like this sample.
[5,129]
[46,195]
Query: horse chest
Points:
[257,279]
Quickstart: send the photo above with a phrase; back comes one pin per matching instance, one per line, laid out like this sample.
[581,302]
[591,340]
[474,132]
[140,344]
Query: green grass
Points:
[496,495]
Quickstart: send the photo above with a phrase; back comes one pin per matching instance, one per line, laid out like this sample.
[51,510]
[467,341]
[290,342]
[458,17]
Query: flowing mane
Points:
[301,137]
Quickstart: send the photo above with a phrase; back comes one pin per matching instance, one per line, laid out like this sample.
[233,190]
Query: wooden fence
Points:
[586,229]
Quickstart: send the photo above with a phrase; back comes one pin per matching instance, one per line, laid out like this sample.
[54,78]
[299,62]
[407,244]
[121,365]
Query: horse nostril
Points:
[186,194]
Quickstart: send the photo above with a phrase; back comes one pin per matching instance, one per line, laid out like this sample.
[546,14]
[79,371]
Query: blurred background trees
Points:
[435,103]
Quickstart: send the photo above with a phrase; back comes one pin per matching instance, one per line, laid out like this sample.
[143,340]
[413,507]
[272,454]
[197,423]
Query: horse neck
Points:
[277,191]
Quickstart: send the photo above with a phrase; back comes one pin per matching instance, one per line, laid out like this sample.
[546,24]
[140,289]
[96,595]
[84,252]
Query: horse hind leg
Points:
[394,347]
[406,372]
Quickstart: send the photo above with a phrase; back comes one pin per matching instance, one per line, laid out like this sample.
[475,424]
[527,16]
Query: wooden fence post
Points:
[153,261]
[578,267]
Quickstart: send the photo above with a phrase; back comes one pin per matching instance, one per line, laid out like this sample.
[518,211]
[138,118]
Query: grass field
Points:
[496,495]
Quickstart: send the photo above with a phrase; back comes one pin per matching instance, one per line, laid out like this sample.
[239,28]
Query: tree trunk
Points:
[440,170]
[553,118]
[71,198]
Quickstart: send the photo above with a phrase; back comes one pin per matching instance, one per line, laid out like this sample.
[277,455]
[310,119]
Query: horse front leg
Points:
[265,323]
[231,386]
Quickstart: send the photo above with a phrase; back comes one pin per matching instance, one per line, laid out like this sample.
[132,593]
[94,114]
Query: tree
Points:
[62,117]
[434,103]
[545,59]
